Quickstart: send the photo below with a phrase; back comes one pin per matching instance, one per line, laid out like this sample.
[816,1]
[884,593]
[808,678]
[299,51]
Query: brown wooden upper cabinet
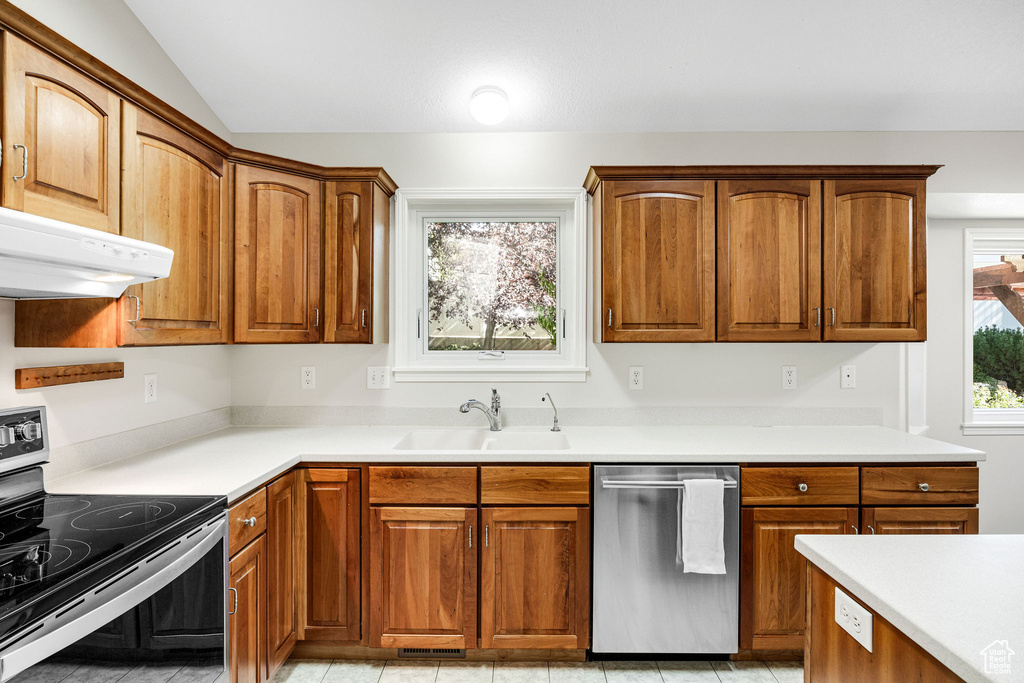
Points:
[769,260]
[357,215]
[277,256]
[804,253]
[874,267]
[175,193]
[61,140]
[657,260]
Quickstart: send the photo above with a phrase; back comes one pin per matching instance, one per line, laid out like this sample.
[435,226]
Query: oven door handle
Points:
[101,605]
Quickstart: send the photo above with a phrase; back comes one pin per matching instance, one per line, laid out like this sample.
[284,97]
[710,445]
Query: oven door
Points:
[164,618]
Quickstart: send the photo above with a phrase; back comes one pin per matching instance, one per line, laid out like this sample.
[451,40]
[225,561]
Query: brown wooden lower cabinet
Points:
[535,578]
[832,655]
[329,550]
[282,560]
[773,574]
[247,586]
[918,520]
[423,577]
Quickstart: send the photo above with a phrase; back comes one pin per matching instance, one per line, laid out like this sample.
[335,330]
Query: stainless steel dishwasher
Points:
[643,602]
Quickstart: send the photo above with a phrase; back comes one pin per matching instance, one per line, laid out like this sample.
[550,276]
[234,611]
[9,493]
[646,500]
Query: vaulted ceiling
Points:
[599,65]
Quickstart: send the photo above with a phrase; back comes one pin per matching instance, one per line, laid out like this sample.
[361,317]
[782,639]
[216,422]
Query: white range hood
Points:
[41,258]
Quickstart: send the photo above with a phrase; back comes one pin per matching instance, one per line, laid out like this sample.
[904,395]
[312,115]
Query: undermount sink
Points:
[477,440]
[526,441]
[442,440]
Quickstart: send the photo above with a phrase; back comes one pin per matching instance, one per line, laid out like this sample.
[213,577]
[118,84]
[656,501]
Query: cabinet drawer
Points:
[535,485]
[800,486]
[919,485]
[422,486]
[247,519]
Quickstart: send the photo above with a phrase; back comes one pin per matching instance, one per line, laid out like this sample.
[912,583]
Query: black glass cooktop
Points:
[53,548]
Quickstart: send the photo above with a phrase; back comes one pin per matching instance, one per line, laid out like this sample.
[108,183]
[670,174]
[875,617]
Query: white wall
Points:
[111,32]
[190,380]
[1003,472]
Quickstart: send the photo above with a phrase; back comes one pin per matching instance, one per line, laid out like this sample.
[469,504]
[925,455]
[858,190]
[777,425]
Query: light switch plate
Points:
[854,618]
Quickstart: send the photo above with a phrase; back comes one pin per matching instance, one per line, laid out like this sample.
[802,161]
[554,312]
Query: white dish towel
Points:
[700,547]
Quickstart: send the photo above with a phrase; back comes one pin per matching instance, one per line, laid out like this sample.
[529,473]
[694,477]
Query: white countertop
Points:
[952,595]
[235,460]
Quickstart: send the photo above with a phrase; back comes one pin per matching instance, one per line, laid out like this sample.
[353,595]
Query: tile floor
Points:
[449,671]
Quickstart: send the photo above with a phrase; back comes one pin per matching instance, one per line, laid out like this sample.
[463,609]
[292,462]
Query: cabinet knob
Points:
[802,487]
[249,522]
[923,486]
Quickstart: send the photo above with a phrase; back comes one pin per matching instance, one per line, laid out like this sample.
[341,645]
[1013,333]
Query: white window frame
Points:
[415,207]
[991,421]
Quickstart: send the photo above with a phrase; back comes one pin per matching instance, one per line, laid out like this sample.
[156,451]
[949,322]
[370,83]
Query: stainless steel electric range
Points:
[118,588]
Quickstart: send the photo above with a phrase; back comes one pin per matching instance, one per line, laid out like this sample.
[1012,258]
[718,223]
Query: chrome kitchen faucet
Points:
[493,413]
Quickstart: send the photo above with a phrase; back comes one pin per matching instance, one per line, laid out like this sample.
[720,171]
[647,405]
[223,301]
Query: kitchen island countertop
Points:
[955,596]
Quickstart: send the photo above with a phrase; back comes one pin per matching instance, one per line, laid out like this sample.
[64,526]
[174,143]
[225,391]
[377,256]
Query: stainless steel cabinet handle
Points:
[855,529]
[609,317]
[317,323]
[250,522]
[802,487]
[487,536]
[923,486]
[871,528]
[234,603]
[817,319]
[24,163]
[833,312]
[364,318]
[138,309]
[471,536]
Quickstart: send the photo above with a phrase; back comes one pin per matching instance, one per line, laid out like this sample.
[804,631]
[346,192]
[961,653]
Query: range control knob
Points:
[6,436]
[29,431]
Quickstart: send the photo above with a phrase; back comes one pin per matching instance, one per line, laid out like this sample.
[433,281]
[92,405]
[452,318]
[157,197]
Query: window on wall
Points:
[994,322]
[490,285]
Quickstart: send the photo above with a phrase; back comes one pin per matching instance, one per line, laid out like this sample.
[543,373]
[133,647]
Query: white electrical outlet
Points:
[636,377]
[848,377]
[854,618]
[149,388]
[308,377]
[378,377]
[789,377]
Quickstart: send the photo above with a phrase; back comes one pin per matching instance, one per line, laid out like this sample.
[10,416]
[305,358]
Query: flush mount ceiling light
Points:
[489,105]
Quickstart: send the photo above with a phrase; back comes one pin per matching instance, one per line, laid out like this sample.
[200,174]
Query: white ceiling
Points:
[599,65]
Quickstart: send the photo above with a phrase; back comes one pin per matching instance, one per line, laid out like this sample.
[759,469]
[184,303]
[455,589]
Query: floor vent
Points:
[431,652]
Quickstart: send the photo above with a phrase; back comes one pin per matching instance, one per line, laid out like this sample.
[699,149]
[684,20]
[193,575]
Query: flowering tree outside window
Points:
[492,286]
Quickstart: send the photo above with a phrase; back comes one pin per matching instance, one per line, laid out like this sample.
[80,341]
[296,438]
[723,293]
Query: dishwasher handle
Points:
[730,483]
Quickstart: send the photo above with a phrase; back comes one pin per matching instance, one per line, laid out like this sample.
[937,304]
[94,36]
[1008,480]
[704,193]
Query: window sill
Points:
[463,373]
[993,429]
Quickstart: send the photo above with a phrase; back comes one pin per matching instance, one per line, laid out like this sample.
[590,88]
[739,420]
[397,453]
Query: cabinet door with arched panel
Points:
[874,260]
[769,260]
[657,260]
[61,140]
